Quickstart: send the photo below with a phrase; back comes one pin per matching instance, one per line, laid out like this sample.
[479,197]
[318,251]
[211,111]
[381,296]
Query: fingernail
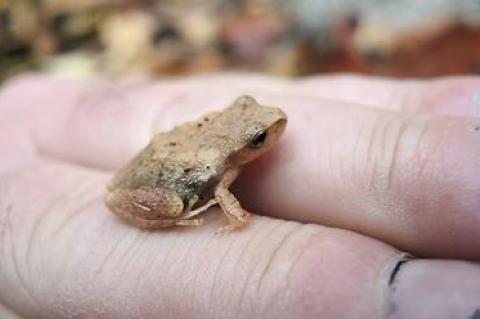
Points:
[436,289]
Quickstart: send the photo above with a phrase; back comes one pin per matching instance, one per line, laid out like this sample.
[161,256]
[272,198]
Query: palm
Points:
[386,175]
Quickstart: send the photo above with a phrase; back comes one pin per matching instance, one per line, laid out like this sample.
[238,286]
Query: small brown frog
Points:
[183,172]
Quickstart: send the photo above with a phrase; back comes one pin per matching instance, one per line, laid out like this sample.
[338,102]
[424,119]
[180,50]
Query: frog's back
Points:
[180,161]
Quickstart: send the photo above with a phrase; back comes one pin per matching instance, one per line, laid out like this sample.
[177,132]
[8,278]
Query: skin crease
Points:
[63,255]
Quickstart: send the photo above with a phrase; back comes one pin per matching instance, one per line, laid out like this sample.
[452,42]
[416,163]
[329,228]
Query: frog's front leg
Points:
[236,215]
[149,208]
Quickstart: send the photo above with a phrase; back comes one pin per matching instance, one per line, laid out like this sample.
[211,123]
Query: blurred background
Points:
[420,38]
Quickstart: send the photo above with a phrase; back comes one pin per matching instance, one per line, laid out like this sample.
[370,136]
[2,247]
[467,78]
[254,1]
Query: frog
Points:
[184,171]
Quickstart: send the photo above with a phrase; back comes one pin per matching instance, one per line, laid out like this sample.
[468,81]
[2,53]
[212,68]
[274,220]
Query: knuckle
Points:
[261,286]
[274,279]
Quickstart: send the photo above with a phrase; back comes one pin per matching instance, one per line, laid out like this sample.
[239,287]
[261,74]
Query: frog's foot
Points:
[189,222]
[199,210]
[161,223]
[184,220]
[227,229]
[236,215]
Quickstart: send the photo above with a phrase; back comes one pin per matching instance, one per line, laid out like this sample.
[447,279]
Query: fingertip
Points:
[342,275]
[436,289]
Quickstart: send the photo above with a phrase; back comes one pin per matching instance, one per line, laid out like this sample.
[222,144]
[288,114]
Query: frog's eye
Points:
[258,139]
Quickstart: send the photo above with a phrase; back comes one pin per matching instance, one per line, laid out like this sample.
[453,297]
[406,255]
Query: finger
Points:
[55,107]
[458,96]
[448,96]
[409,180]
[63,254]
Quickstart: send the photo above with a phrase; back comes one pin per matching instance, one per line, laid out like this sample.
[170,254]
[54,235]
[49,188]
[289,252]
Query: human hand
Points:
[390,167]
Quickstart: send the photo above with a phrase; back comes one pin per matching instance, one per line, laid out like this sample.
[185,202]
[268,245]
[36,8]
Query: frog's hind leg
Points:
[149,208]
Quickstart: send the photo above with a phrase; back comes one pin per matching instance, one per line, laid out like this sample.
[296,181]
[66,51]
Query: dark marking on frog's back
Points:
[186,183]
